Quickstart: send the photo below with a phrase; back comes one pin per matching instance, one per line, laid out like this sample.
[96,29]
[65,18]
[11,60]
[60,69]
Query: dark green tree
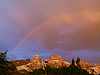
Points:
[6,67]
[38,72]
[3,63]
[75,70]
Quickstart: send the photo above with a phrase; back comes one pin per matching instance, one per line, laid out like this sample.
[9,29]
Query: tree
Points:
[75,70]
[38,72]
[3,63]
[6,67]
[78,62]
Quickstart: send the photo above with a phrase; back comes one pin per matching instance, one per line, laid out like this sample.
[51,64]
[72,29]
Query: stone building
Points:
[36,62]
[57,61]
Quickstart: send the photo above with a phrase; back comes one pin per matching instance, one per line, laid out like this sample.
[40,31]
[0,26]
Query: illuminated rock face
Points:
[57,61]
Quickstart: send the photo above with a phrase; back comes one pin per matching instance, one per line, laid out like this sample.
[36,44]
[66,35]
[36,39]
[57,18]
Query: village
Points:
[55,64]
[55,61]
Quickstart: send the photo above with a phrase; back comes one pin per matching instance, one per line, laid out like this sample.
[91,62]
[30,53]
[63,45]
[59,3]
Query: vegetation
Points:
[71,70]
[3,63]
[6,67]
[38,72]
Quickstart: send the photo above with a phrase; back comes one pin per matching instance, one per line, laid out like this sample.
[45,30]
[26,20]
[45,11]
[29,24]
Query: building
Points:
[57,61]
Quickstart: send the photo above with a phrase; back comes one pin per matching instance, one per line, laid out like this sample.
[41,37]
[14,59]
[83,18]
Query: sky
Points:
[68,27]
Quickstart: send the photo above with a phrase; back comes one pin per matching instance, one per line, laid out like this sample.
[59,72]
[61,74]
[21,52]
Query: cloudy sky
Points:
[71,27]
